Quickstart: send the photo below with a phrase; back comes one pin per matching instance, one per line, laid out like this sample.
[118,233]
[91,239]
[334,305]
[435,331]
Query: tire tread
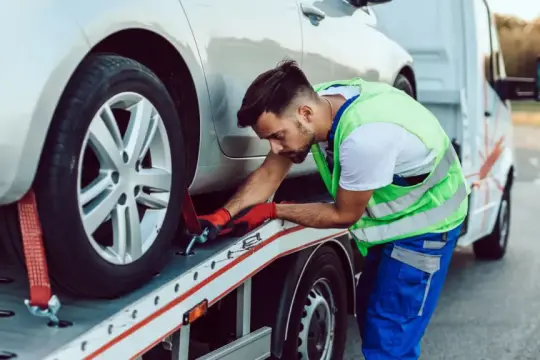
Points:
[95,72]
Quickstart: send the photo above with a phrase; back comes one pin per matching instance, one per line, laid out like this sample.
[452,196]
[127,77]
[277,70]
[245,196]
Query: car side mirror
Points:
[360,3]
[520,88]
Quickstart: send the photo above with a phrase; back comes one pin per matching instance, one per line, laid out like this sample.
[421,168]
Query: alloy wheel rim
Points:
[131,191]
[317,325]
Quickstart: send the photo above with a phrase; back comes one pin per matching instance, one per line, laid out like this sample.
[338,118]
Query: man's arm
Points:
[260,184]
[348,208]
[367,158]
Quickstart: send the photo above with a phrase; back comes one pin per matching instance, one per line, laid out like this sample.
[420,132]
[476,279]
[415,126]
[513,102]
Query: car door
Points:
[341,41]
[238,40]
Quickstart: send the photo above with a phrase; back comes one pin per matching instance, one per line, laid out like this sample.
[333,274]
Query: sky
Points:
[525,9]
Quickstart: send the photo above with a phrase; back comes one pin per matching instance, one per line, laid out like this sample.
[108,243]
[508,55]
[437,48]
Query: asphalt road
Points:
[491,310]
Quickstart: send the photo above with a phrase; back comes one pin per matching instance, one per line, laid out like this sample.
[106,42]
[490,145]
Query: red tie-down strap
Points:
[34,252]
[190,215]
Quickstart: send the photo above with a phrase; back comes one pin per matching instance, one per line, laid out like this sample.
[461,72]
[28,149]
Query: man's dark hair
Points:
[273,91]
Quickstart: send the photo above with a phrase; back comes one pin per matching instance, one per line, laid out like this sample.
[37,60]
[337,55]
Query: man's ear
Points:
[306,112]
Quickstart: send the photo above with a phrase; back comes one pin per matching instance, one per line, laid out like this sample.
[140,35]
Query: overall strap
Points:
[397,180]
[332,133]
[337,118]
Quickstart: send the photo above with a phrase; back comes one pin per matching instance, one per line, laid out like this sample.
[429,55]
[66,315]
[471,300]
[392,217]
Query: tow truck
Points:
[282,290]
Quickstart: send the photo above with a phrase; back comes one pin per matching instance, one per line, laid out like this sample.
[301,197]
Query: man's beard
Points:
[298,156]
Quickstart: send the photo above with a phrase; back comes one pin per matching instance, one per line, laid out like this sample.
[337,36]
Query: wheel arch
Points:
[510,177]
[162,58]
[345,251]
[292,268]
[153,49]
[37,79]
[408,72]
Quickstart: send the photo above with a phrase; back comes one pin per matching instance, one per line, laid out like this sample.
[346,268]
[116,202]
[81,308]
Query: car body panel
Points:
[36,64]
[238,40]
[336,47]
[58,34]
[100,19]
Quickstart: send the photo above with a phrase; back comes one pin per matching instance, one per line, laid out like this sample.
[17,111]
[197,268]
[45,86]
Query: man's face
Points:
[289,136]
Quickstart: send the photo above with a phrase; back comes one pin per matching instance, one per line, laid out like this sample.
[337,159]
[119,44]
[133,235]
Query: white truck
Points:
[285,291]
[461,78]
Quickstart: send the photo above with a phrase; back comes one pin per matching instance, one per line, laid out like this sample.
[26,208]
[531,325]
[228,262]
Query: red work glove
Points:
[251,218]
[215,222]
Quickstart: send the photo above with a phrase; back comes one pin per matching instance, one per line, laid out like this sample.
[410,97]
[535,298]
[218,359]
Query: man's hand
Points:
[251,218]
[215,222]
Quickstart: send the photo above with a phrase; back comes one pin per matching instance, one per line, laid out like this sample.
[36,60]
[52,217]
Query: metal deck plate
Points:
[29,337]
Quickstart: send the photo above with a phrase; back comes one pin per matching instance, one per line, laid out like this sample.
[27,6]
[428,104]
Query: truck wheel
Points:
[110,181]
[318,323]
[493,246]
[403,84]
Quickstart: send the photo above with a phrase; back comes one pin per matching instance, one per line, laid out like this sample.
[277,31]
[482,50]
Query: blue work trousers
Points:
[397,293]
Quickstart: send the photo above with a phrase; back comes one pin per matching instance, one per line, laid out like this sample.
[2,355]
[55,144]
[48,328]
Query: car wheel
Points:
[402,83]
[493,246]
[318,323]
[110,182]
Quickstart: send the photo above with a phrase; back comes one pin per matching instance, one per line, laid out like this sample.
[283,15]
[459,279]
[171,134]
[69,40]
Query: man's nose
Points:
[275,147]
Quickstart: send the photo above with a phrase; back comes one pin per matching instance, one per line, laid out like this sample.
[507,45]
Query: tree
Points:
[520,44]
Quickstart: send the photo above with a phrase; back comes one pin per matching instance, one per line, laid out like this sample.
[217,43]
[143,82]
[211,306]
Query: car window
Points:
[499,70]
[483,35]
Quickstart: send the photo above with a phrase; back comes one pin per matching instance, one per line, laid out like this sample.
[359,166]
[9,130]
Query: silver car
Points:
[109,109]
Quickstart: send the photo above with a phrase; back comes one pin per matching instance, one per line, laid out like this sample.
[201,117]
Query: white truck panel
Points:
[448,40]
[433,37]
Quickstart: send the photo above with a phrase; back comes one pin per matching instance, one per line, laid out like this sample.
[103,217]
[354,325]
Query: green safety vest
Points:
[394,212]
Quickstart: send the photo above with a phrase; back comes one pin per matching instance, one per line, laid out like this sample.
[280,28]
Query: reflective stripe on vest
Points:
[408,199]
[414,222]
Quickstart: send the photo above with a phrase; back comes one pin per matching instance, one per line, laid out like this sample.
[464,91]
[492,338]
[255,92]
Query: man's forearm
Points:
[256,189]
[315,215]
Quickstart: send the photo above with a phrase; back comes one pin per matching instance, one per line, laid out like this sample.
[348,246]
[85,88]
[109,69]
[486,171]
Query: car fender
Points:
[37,64]
[40,71]
[100,19]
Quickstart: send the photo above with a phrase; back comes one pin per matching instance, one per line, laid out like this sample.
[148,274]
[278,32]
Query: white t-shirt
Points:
[371,154]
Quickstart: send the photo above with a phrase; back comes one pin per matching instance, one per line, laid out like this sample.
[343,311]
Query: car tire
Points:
[493,246]
[323,282]
[402,83]
[77,261]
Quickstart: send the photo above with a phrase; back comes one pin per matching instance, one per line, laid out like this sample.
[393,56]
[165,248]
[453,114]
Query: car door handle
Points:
[314,14]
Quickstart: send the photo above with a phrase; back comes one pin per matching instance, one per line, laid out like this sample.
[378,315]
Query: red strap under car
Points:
[190,216]
[34,252]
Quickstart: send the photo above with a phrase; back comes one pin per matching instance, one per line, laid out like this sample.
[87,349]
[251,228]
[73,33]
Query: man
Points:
[397,184]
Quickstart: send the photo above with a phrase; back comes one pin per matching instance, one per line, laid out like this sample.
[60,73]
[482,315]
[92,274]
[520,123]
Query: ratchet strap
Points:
[190,215]
[34,252]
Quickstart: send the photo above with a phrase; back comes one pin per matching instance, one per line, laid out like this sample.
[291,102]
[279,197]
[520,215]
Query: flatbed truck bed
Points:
[130,326]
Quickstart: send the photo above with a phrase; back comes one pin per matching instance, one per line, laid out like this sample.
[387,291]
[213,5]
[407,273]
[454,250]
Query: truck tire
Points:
[493,246]
[319,303]
[118,247]
[402,83]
